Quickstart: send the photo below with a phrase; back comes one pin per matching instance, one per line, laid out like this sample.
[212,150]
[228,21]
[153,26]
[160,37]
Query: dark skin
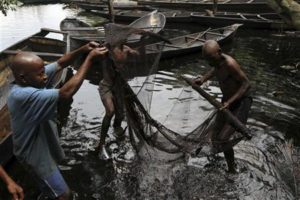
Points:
[234,84]
[14,189]
[119,56]
[29,70]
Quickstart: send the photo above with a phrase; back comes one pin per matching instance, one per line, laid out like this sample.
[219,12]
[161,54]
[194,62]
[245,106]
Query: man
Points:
[13,188]
[32,104]
[111,93]
[235,87]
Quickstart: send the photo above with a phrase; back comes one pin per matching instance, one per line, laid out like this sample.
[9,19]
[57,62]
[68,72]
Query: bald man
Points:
[235,88]
[32,103]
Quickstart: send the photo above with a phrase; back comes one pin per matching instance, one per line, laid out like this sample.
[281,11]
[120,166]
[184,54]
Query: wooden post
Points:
[111,11]
[231,118]
[215,7]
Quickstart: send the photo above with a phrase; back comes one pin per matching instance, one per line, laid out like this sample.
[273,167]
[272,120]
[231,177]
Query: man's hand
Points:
[97,53]
[225,106]
[90,46]
[15,190]
[198,81]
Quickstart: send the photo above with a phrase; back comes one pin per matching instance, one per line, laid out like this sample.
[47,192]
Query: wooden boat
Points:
[200,5]
[172,16]
[76,27]
[48,49]
[103,6]
[250,20]
[191,43]
[255,21]
[153,22]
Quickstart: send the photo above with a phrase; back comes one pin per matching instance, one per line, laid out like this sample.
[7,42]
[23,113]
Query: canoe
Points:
[172,16]
[256,6]
[192,43]
[76,27]
[254,21]
[250,20]
[152,21]
[49,50]
[94,6]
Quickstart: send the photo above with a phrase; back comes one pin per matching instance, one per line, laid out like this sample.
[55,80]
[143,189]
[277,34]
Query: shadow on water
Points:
[268,164]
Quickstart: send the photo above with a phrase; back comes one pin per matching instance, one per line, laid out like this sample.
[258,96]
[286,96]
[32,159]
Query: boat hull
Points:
[49,50]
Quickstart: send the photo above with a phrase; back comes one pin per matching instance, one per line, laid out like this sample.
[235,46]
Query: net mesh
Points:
[144,130]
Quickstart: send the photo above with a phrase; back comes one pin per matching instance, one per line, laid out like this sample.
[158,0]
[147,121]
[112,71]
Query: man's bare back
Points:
[230,77]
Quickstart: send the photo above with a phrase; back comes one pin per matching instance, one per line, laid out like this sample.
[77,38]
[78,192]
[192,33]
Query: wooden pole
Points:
[111,11]
[215,7]
[231,118]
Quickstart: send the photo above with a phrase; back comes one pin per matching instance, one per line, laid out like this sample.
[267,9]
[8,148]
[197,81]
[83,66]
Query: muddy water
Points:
[267,164]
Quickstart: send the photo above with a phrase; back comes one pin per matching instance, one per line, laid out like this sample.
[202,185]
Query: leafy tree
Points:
[6,5]
[288,9]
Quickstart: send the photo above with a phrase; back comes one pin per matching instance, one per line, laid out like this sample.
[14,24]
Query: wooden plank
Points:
[198,36]
[53,30]
[193,38]
[6,149]
[43,54]
[227,1]
[169,45]
[84,29]
[242,16]
[260,17]
[214,33]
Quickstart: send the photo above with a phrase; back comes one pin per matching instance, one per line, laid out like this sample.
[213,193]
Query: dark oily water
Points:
[268,164]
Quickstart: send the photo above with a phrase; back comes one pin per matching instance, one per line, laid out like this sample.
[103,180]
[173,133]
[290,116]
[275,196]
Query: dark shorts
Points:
[53,186]
[240,109]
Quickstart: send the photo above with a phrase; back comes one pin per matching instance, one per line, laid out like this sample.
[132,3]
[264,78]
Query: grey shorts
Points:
[105,90]
[114,92]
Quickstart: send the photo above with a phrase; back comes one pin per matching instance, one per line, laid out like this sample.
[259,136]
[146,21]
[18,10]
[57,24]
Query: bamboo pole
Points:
[231,118]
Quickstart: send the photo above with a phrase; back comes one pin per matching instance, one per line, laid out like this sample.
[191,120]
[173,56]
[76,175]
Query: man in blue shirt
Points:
[32,104]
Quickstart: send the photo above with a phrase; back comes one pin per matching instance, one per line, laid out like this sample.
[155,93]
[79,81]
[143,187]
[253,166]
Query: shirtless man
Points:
[235,87]
[111,93]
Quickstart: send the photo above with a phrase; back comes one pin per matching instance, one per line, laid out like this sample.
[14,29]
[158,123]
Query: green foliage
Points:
[6,5]
[289,10]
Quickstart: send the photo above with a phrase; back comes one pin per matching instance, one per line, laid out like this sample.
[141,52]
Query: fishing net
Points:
[144,130]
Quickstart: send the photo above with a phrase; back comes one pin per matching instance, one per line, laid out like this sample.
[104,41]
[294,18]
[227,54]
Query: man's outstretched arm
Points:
[72,86]
[69,58]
